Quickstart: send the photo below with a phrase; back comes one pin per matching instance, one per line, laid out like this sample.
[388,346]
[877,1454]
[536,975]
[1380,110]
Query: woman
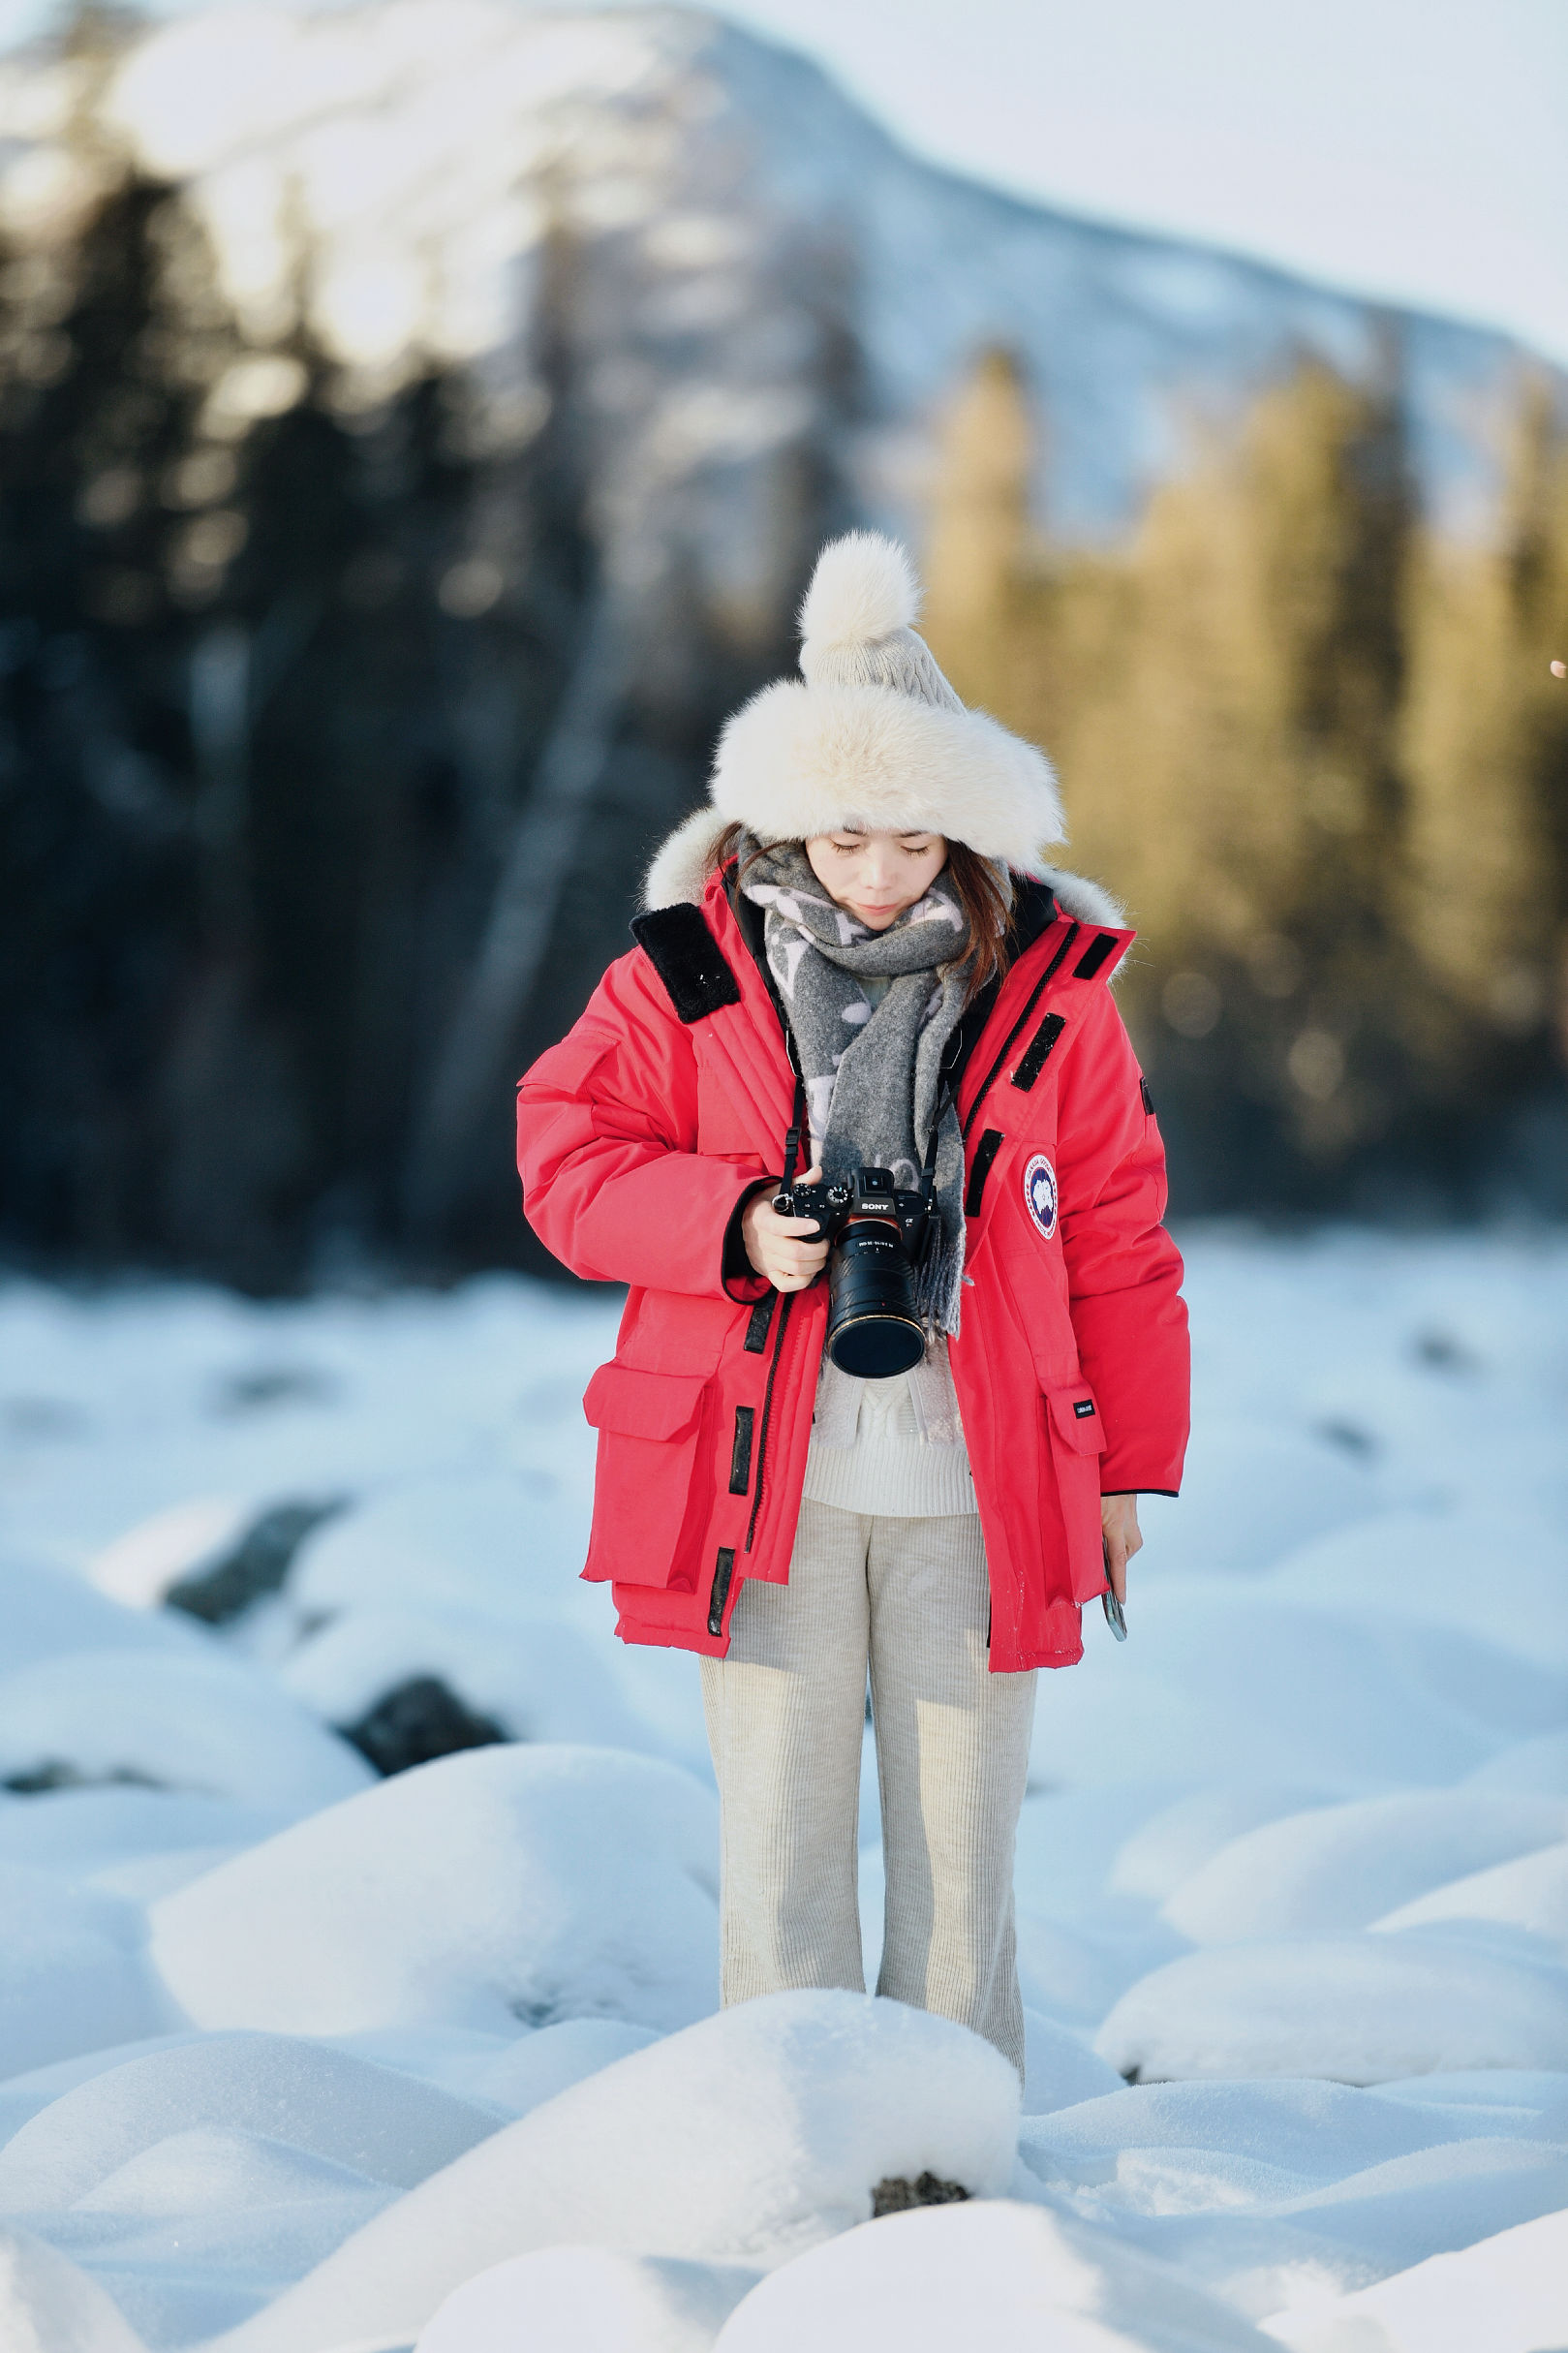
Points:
[856,941]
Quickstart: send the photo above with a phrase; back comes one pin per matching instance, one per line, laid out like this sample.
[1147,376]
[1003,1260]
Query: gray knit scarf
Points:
[873,1075]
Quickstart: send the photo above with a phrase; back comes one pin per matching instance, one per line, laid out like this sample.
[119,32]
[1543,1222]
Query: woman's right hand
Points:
[776,1246]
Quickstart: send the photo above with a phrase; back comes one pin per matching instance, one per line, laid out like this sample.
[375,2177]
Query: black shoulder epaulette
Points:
[1095,955]
[687,959]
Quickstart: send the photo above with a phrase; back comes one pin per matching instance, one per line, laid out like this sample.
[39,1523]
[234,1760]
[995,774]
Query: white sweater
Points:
[892,1446]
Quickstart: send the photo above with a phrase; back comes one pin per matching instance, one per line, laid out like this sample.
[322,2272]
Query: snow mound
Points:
[1530,1893]
[501,1886]
[996,2274]
[1508,2294]
[203,1723]
[744,2140]
[535,1680]
[1223,1683]
[1288,2251]
[1179,1839]
[390,2128]
[140,1566]
[1530,1767]
[1068,1839]
[445,1542]
[535,2069]
[46,1612]
[1523,2092]
[1272,2193]
[1339,1866]
[192,2235]
[1059,2070]
[78,1832]
[589,2300]
[457,2058]
[1177,2146]
[1278,2195]
[1071,1973]
[74,1971]
[48,2306]
[26,2095]
[1251,1493]
[147,1878]
[1360,2009]
[1442,1564]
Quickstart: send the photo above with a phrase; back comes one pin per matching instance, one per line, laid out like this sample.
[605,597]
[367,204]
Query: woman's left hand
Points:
[1119,1526]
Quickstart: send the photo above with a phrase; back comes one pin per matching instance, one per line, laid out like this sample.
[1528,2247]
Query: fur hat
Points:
[870,734]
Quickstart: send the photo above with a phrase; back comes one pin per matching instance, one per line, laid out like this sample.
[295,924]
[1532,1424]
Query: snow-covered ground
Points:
[298,2059]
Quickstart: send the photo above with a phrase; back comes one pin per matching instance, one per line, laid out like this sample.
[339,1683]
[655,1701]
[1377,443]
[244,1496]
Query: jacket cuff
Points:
[739,1277]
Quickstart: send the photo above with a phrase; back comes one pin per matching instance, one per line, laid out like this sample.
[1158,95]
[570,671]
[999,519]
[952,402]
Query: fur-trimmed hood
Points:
[873,734]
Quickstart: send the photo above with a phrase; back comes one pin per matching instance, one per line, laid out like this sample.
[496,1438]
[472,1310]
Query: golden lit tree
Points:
[1298,735]
[1486,758]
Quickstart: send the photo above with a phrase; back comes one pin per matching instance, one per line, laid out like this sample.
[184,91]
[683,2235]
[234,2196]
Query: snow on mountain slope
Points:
[416,156]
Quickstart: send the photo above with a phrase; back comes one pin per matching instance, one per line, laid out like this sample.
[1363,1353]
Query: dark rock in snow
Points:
[418,1721]
[895,2193]
[258,1564]
[1443,1353]
[54,1772]
[273,1384]
[1349,1436]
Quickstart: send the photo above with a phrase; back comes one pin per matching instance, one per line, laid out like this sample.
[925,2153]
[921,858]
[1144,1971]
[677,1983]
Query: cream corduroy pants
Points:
[785,1715]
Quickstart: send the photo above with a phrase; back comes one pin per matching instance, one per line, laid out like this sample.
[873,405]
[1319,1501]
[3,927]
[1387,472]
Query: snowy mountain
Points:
[396,169]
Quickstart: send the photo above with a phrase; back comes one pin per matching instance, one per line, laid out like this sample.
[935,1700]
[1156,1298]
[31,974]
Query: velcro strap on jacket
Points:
[688,960]
[1033,1062]
[1095,955]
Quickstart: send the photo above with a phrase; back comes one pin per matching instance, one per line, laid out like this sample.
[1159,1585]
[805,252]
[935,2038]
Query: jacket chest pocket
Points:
[1077,1442]
[650,1428]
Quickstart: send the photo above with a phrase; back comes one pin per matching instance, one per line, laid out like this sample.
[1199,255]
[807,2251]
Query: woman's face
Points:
[874,877]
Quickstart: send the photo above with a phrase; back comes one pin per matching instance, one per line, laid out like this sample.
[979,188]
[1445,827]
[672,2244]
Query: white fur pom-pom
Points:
[863,589]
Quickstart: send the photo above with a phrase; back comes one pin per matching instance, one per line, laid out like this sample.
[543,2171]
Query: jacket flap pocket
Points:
[643,1404]
[1077,1419]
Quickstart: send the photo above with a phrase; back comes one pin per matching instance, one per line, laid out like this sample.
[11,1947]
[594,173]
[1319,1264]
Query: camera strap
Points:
[792,1139]
[927,1174]
[927,1184]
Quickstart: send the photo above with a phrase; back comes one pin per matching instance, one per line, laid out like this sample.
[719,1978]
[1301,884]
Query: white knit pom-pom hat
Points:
[871,734]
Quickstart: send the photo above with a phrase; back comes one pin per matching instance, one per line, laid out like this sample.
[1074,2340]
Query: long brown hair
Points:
[987,906]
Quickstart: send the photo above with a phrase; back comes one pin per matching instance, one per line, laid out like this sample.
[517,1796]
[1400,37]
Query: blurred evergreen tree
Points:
[296,673]
[1486,753]
[99,391]
[274,678]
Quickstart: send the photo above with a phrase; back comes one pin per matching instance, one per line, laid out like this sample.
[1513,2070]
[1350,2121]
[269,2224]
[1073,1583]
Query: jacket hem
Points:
[654,1637]
[1027,1661]
[651,1636]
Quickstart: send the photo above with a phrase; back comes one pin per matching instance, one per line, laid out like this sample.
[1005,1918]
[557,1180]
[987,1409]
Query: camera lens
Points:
[874,1329]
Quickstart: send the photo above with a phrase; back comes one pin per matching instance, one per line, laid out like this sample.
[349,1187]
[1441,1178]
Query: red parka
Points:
[642,1135]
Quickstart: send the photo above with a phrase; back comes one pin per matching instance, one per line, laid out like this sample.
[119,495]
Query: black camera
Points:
[879,1231]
